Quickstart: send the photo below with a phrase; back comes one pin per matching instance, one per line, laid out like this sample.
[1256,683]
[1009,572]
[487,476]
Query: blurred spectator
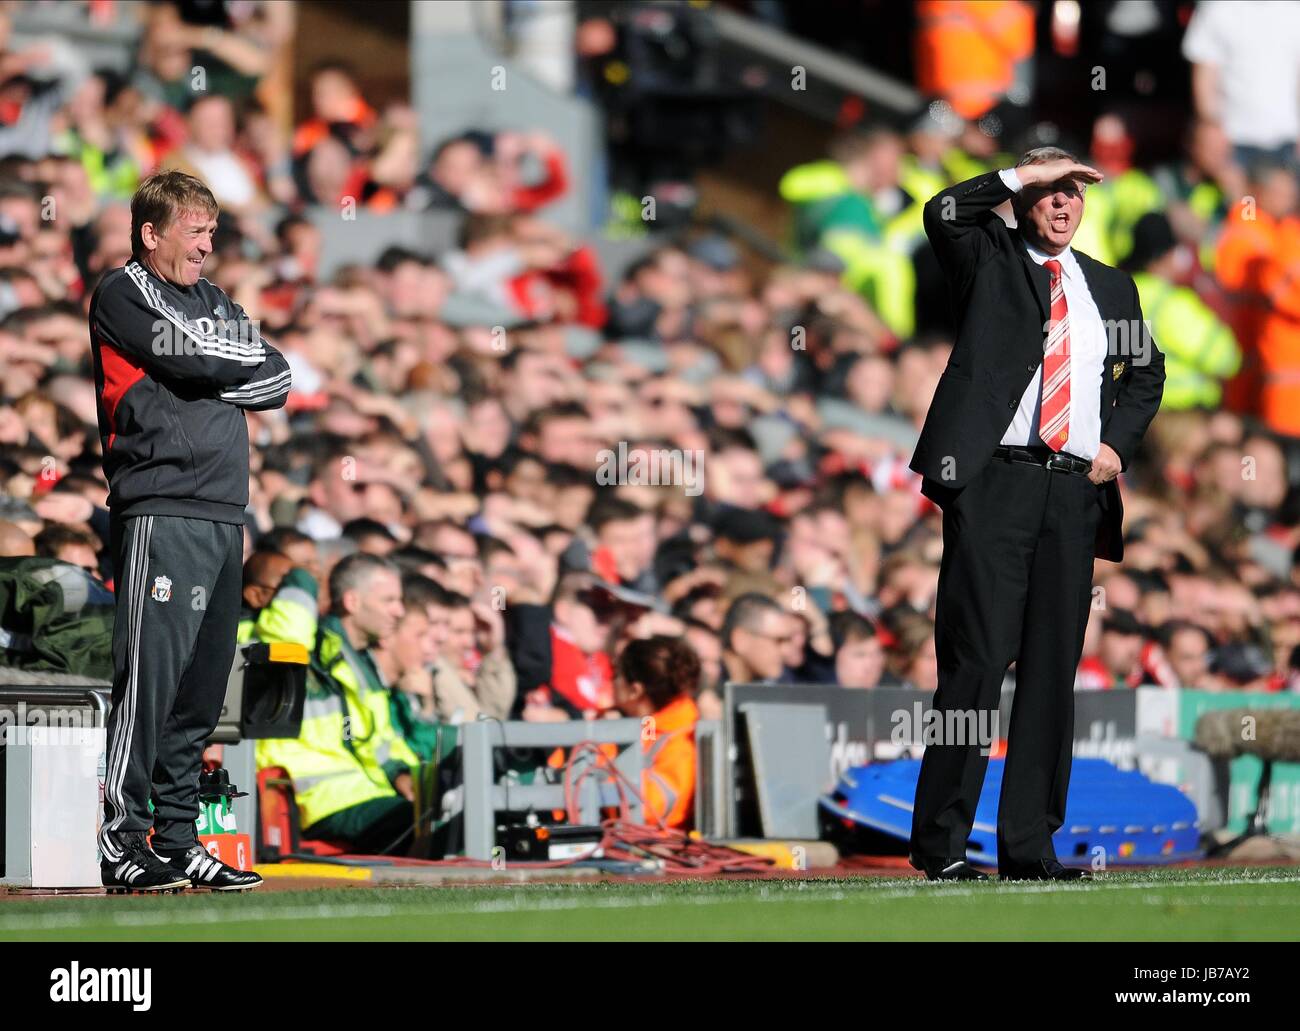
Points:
[1187,648]
[560,651]
[1118,660]
[1246,75]
[1199,187]
[67,544]
[859,653]
[970,53]
[102,136]
[14,542]
[1259,246]
[35,82]
[494,174]
[754,636]
[347,153]
[912,656]
[655,681]
[1200,350]
[854,206]
[209,154]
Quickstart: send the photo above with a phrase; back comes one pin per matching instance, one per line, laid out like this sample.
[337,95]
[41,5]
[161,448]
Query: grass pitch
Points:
[1223,904]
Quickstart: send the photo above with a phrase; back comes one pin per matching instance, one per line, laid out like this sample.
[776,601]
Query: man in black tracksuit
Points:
[176,363]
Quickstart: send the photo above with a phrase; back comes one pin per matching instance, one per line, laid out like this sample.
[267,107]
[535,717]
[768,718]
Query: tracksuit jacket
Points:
[173,368]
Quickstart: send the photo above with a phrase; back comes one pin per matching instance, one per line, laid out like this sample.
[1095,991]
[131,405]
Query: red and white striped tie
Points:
[1054,417]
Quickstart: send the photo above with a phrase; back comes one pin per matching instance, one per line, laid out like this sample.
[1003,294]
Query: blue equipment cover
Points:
[1133,819]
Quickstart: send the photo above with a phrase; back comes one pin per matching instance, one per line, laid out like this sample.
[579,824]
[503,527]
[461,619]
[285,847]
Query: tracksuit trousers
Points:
[177,582]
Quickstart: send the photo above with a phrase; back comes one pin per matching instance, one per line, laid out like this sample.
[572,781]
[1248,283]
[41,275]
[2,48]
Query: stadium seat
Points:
[278,821]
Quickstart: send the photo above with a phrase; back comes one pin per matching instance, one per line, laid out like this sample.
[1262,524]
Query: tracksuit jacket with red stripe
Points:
[174,369]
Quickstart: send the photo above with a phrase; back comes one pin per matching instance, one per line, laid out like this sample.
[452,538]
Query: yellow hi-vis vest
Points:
[289,616]
[920,182]
[1205,200]
[327,774]
[374,738]
[905,232]
[348,751]
[1093,235]
[1200,350]
[961,166]
[879,270]
[884,276]
[1132,194]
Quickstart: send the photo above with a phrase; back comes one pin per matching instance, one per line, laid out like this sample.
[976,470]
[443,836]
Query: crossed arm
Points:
[267,388]
[229,356]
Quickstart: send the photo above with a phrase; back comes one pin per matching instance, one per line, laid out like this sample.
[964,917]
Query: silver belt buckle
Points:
[1054,465]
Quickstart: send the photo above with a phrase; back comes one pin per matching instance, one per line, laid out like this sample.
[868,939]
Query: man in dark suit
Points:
[1052,382]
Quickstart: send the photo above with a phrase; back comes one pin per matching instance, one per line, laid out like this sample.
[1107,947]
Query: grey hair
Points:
[1042,155]
[355,572]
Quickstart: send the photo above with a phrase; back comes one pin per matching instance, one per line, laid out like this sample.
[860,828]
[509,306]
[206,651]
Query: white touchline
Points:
[774,891]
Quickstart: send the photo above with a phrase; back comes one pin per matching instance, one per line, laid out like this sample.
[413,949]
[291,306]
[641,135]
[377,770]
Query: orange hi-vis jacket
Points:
[1258,260]
[668,784]
[668,754]
[966,52]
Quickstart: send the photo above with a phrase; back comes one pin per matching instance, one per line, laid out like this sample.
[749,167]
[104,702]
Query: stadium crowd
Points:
[541,464]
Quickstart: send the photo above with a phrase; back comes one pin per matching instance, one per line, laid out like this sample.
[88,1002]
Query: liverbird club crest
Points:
[162,589]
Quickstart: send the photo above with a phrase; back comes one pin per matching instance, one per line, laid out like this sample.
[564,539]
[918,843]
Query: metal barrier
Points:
[483,796]
[712,764]
[92,696]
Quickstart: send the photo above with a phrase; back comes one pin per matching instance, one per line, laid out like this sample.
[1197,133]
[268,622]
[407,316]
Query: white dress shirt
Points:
[1087,361]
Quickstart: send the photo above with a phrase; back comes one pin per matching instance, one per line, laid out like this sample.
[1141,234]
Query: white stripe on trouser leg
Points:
[130,697]
[121,758]
[131,579]
[141,596]
[118,760]
[142,599]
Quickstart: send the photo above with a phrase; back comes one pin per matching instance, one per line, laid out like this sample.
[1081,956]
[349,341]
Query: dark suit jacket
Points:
[1001,301]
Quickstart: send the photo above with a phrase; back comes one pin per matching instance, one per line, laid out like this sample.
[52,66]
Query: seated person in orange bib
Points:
[656,680]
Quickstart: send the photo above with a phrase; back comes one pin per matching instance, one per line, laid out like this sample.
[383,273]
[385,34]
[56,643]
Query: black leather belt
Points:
[1044,457]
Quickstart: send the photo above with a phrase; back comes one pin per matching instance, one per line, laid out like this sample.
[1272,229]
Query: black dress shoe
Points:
[953,868]
[1043,870]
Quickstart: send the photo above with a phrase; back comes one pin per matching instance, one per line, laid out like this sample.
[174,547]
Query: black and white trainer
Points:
[139,870]
[205,870]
